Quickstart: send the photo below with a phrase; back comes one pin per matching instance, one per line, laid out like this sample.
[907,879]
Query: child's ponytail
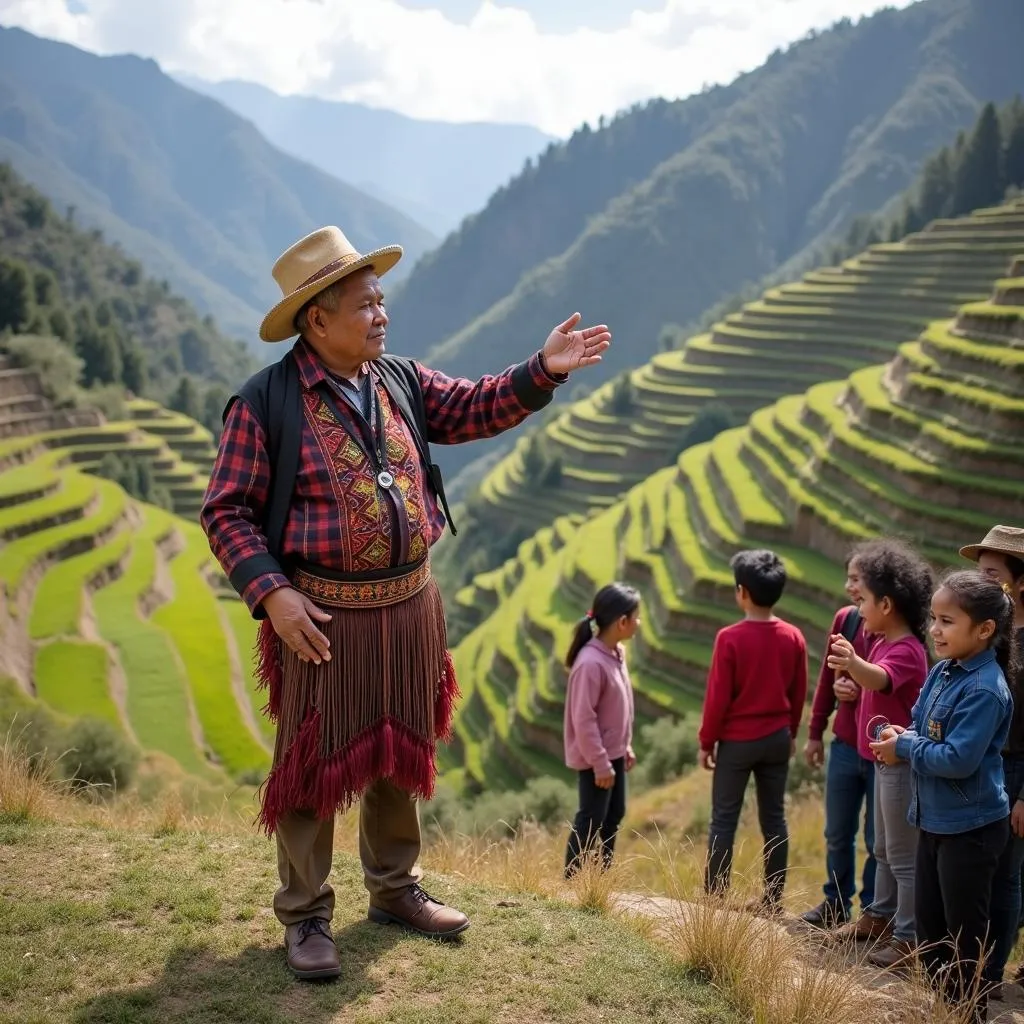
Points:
[581,636]
[611,603]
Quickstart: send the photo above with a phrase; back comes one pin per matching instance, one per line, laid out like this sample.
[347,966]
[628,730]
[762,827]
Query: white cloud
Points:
[498,67]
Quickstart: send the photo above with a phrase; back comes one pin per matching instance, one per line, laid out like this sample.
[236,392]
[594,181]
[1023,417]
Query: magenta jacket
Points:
[598,709]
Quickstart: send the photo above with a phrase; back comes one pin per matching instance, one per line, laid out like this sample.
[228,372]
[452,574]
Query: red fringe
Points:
[269,672]
[302,778]
[447,695]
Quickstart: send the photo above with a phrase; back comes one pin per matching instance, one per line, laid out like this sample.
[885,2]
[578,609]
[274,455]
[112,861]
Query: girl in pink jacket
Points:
[599,721]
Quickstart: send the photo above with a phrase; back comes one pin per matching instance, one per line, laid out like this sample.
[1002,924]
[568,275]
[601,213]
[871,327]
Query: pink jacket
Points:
[598,709]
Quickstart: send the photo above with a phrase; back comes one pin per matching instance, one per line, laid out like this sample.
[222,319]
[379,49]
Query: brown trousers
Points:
[389,846]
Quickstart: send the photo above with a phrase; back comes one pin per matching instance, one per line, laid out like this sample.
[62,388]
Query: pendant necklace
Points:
[377,453]
[385,479]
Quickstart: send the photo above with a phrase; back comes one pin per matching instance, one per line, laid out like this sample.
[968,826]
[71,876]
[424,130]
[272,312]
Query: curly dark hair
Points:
[889,568]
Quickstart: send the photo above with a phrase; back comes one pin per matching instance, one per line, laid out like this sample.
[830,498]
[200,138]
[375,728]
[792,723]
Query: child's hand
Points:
[841,653]
[792,748]
[814,753]
[706,759]
[630,759]
[604,781]
[845,689]
[1017,819]
[885,748]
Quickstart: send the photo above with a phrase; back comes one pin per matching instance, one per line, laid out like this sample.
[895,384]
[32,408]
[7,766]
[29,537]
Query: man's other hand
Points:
[294,618]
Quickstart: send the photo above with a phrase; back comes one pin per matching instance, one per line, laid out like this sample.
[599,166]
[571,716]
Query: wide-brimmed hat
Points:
[1004,540]
[313,264]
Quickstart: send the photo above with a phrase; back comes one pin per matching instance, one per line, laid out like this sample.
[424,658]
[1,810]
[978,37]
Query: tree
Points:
[185,399]
[936,191]
[1013,155]
[17,298]
[133,368]
[706,425]
[100,354]
[977,178]
[214,400]
[622,398]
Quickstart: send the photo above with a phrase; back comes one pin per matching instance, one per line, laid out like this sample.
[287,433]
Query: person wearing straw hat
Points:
[321,509]
[1000,556]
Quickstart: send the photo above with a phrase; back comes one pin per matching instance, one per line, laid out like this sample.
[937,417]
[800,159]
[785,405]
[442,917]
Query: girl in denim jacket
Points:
[959,726]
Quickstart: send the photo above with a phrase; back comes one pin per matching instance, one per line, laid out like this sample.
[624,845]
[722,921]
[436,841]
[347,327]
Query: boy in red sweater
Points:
[755,697]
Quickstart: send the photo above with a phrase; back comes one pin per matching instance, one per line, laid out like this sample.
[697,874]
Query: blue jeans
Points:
[849,785]
[1006,886]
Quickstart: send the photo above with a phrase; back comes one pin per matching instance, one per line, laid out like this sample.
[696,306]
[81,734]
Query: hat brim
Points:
[975,551]
[279,323]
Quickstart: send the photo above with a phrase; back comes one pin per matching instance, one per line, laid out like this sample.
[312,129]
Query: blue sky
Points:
[551,63]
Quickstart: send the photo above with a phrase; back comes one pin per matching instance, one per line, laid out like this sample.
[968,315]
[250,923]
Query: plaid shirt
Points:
[457,410]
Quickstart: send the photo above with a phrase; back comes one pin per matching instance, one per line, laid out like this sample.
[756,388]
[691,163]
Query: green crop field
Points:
[824,327]
[110,611]
[923,447]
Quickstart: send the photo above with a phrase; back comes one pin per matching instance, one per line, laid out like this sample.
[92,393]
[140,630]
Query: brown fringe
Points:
[374,711]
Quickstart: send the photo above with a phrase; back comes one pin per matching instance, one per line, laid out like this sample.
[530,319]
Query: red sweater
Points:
[757,683]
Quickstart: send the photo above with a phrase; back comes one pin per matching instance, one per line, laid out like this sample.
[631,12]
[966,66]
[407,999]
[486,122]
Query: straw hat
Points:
[1004,540]
[311,265]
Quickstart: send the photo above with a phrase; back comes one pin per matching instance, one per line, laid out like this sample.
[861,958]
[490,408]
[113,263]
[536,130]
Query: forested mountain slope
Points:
[185,185]
[657,216]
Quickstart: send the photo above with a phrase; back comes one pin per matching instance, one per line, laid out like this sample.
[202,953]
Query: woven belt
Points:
[362,590]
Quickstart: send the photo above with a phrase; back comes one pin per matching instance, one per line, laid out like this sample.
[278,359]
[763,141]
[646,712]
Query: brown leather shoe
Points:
[414,908]
[896,953]
[867,928]
[312,953]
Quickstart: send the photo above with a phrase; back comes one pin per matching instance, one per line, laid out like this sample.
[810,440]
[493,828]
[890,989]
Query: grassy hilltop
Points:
[923,445]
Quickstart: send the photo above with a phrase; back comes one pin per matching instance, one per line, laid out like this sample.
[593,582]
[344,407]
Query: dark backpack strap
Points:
[851,624]
[402,382]
[275,399]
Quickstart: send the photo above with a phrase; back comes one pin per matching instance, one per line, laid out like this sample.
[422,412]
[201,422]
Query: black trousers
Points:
[952,902]
[767,759]
[598,819]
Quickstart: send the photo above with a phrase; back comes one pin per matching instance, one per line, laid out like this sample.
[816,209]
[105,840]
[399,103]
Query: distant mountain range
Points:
[435,171]
[675,205]
[183,184]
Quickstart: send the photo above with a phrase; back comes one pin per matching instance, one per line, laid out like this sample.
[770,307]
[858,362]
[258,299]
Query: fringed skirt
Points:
[376,709]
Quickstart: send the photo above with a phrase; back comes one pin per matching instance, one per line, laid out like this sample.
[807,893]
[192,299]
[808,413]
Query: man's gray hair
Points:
[327,299]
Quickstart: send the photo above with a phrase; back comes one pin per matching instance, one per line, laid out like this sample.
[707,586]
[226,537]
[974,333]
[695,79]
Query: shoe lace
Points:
[312,925]
[420,895]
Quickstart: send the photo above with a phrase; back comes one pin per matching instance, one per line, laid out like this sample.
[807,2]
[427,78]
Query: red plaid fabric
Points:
[458,410]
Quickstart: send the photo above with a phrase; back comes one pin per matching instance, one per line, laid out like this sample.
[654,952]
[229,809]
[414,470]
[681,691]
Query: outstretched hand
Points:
[568,349]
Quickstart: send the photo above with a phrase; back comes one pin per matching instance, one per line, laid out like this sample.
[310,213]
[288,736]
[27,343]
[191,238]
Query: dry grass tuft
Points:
[26,790]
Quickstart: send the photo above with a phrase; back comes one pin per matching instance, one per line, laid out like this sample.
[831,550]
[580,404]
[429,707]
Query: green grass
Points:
[20,555]
[71,676]
[58,601]
[157,699]
[204,949]
[193,625]
[244,628]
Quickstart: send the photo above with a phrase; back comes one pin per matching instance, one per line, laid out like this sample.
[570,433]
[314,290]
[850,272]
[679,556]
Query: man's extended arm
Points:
[461,410]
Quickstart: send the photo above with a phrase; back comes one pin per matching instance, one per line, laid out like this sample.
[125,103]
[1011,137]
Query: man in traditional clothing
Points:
[321,509]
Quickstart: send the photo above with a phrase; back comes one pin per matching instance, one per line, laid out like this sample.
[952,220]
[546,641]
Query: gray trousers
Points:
[895,851]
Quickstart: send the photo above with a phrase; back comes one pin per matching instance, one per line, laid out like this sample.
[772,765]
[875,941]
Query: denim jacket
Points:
[960,724]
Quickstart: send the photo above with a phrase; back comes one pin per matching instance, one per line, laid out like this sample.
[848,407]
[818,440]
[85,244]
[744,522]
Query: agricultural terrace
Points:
[110,607]
[925,446]
[833,322]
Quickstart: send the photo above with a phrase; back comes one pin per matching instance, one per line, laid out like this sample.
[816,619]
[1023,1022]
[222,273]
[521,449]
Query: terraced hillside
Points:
[111,607]
[832,322]
[926,445]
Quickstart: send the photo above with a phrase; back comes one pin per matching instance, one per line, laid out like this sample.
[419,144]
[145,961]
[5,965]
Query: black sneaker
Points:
[826,916]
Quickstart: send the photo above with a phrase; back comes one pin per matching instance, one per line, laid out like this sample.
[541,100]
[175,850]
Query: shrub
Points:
[30,728]
[668,747]
[98,755]
[58,367]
